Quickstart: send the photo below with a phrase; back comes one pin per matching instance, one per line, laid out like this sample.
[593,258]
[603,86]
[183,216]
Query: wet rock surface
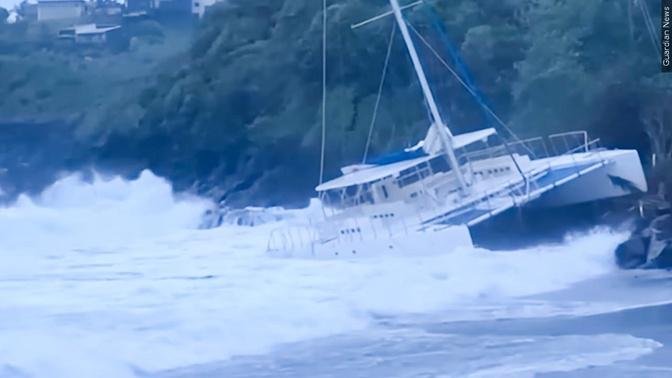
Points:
[650,246]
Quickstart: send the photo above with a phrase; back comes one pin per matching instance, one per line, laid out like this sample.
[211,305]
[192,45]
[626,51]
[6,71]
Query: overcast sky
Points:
[9,4]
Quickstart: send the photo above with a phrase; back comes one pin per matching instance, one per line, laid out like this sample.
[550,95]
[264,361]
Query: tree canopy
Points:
[4,15]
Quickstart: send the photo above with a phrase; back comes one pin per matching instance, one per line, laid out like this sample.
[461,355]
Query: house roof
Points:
[93,29]
[60,1]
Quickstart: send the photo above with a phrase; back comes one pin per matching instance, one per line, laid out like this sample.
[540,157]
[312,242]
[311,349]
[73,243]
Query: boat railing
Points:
[537,147]
[517,191]
[512,192]
[291,238]
[532,146]
[569,142]
[303,238]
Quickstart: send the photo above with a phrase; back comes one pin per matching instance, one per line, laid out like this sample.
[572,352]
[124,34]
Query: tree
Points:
[4,15]
[657,119]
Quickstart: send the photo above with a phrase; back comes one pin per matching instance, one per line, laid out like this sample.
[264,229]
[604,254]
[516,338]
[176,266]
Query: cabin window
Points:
[414,174]
[439,164]
[407,178]
[385,192]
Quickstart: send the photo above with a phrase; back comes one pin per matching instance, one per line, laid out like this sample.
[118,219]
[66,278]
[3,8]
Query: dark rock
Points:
[632,253]
[660,250]
[662,227]
[249,216]
[664,259]
[649,247]
[34,155]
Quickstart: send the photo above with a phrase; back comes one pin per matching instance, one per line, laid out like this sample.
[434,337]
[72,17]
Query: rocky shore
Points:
[650,246]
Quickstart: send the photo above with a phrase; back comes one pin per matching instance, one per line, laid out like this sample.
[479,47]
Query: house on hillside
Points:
[56,10]
[174,7]
[138,6]
[198,7]
[186,8]
[89,34]
[108,12]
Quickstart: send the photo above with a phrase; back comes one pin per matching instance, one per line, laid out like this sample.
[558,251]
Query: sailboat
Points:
[449,183]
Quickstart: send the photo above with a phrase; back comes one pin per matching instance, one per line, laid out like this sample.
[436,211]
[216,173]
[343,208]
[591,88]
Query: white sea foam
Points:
[112,276]
[565,354]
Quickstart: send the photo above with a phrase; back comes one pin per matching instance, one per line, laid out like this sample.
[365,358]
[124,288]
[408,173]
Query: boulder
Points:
[632,253]
[250,216]
[664,259]
[649,247]
[660,248]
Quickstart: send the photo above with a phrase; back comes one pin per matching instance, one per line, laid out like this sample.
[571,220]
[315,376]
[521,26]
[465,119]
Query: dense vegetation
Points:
[237,115]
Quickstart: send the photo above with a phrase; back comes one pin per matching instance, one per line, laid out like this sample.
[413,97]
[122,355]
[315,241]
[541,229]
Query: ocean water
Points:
[113,278]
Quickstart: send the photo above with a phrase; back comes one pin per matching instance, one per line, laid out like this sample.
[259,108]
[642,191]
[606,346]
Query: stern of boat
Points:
[621,175]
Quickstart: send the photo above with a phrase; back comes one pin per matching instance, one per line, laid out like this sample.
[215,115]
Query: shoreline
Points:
[632,342]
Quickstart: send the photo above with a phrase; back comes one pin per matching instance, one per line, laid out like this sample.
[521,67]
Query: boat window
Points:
[413,175]
[408,180]
[351,190]
[347,197]
[385,191]
[439,164]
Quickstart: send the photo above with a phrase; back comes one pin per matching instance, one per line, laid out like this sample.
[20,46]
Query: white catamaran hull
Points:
[622,175]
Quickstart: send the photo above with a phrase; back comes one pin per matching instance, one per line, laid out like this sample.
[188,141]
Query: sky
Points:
[9,4]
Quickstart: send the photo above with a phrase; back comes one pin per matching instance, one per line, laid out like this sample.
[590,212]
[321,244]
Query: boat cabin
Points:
[423,180]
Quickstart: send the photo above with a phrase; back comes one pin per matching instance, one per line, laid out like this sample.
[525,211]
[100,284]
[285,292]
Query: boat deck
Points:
[541,183]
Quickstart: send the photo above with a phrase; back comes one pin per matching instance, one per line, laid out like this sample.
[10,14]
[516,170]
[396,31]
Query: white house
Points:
[198,7]
[52,10]
[88,34]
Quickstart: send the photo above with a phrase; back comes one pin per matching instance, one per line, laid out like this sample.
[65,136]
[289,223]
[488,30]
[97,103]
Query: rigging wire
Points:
[380,92]
[324,88]
[485,106]
[458,64]
[648,22]
[467,86]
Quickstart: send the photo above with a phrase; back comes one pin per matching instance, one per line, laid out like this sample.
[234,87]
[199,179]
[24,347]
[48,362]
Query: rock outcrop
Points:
[650,246]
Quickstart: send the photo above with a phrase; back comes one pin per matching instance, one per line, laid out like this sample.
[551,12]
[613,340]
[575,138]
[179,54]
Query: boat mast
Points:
[444,133]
